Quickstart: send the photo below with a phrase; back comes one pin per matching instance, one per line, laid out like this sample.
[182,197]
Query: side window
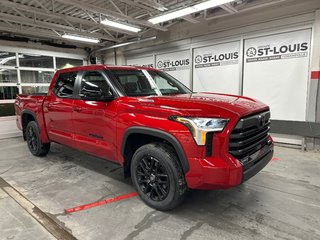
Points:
[134,83]
[95,81]
[64,86]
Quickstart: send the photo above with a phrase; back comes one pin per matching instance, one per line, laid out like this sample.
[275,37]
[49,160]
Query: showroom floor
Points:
[282,202]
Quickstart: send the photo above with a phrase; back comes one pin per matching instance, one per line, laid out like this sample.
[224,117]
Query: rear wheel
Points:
[157,176]
[35,145]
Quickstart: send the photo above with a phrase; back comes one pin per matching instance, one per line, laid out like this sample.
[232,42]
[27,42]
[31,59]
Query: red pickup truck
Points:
[167,138]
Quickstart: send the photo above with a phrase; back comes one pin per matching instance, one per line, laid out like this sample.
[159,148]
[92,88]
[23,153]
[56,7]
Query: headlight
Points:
[199,127]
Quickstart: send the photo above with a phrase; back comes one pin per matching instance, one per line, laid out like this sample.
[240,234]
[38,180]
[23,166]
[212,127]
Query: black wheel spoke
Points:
[32,138]
[143,181]
[148,189]
[139,173]
[151,193]
[163,181]
[155,187]
[152,163]
[144,166]
[163,192]
[162,175]
[152,178]
[156,167]
[143,162]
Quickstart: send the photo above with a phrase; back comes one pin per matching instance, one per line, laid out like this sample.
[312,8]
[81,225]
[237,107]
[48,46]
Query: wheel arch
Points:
[26,117]
[150,134]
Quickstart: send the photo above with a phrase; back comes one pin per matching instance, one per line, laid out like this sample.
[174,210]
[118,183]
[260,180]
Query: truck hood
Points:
[206,104]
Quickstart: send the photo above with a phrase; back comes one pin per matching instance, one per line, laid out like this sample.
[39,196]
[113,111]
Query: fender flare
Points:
[43,134]
[23,112]
[28,112]
[159,134]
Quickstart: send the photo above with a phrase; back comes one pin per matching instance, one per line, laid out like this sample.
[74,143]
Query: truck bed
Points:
[32,103]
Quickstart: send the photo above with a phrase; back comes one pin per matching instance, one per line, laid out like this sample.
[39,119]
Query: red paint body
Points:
[60,122]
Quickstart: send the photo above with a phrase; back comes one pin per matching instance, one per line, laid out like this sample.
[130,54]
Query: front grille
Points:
[250,135]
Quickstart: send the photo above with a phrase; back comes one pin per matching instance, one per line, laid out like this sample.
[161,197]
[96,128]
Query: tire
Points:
[158,177]
[35,145]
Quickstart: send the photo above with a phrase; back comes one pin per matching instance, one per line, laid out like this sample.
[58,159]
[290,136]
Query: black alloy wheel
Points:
[157,176]
[32,138]
[153,178]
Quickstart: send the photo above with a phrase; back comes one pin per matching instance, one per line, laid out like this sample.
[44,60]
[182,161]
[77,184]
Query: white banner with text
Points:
[177,64]
[276,72]
[216,68]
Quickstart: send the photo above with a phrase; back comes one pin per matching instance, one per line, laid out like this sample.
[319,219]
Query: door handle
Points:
[77,109]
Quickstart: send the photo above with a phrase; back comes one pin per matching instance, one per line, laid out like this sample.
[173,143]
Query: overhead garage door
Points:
[177,64]
[276,72]
[216,68]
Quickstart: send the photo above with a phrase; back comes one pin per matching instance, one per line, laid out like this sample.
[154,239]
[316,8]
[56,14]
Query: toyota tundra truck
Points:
[166,137]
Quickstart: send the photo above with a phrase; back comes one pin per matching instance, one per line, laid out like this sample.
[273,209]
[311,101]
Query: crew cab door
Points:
[58,109]
[93,116]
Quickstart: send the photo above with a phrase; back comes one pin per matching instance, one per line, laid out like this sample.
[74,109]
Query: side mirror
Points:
[94,93]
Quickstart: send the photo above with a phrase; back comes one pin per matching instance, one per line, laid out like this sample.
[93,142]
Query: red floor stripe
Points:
[102,202]
[275,159]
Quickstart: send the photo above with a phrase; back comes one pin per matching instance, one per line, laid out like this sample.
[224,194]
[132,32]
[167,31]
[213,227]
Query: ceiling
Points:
[49,19]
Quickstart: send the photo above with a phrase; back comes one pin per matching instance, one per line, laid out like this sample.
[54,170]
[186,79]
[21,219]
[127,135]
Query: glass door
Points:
[23,72]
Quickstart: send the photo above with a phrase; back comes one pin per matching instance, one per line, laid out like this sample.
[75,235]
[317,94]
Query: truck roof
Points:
[104,67]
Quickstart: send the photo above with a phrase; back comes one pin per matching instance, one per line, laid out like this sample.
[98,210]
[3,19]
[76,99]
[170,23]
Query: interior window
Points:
[95,81]
[65,85]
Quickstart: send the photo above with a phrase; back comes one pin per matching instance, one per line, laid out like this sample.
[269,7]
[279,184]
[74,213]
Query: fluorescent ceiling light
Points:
[186,11]
[120,25]
[80,38]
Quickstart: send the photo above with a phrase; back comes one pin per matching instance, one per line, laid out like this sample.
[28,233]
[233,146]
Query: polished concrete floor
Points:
[8,127]
[281,202]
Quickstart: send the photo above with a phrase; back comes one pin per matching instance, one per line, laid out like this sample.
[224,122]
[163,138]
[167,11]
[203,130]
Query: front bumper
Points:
[226,172]
[257,164]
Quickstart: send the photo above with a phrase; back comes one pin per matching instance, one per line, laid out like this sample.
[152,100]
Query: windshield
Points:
[147,83]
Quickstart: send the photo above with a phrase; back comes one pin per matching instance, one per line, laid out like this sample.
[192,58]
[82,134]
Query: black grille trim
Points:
[209,139]
[249,135]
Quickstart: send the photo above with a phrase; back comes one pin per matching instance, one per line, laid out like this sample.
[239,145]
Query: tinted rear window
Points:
[64,86]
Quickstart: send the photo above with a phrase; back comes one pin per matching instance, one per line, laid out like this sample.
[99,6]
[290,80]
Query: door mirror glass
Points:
[94,87]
